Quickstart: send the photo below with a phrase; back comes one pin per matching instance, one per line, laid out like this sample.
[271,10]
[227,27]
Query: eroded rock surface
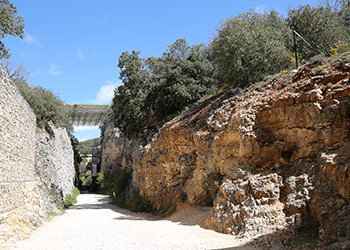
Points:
[54,160]
[267,158]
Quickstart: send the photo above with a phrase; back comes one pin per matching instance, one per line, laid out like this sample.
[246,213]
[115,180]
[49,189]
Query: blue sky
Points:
[72,47]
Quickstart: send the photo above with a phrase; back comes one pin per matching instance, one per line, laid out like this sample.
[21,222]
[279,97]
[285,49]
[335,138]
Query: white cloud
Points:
[260,9]
[84,133]
[54,70]
[105,93]
[80,54]
[85,128]
[31,40]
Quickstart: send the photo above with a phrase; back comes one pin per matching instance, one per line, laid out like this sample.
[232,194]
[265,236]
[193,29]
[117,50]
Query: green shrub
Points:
[84,147]
[120,182]
[70,200]
[46,105]
[86,178]
[100,177]
[116,185]
[136,203]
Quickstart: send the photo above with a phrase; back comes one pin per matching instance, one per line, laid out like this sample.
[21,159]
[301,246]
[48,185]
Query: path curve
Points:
[94,223]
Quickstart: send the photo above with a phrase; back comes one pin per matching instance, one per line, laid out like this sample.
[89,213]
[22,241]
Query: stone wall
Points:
[26,191]
[23,204]
[54,159]
[17,146]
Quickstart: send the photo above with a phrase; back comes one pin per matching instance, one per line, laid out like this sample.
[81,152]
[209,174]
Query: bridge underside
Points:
[88,115]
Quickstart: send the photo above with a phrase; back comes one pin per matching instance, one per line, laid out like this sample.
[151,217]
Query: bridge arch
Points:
[88,115]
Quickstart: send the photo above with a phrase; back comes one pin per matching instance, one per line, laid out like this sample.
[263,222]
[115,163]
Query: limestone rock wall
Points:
[113,146]
[265,159]
[54,160]
[117,151]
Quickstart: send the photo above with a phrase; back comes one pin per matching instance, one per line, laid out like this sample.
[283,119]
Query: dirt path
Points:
[95,224]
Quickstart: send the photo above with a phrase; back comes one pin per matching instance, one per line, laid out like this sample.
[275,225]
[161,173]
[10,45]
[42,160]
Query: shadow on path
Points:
[104,202]
[184,215]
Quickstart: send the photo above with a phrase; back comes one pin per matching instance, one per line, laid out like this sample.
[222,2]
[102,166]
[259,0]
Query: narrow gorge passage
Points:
[94,223]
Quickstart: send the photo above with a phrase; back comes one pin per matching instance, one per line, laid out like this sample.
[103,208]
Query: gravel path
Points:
[95,224]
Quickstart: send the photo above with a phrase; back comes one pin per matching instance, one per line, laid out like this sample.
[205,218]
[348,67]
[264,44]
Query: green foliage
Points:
[180,77]
[121,179]
[249,46]
[100,177]
[53,214]
[136,203]
[46,106]
[70,200]
[128,102]
[318,59]
[116,184]
[155,88]
[245,49]
[86,178]
[321,26]
[10,24]
[84,147]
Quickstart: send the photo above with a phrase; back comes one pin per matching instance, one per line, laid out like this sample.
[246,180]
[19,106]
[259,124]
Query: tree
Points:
[180,77]
[155,88]
[321,26]
[129,99]
[10,24]
[249,46]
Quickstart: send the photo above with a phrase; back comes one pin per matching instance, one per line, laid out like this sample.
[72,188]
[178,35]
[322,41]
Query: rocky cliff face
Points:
[266,159]
[25,178]
[54,160]
[114,145]
[117,152]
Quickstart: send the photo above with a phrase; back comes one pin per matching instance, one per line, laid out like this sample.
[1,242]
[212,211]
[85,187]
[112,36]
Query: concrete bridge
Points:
[88,115]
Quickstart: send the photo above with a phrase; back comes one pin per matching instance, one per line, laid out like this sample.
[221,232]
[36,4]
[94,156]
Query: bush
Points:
[122,177]
[249,46]
[117,184]
[136,203]
[100,177]
[70,200]
[46,106]
[86,178]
